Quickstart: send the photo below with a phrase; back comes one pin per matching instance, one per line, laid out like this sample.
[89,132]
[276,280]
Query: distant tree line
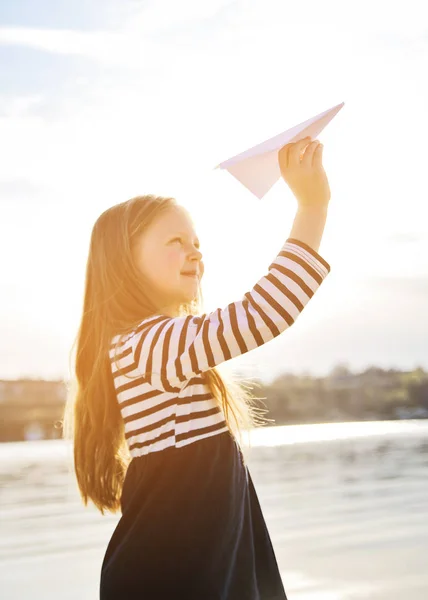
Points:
[33,408]
[371,395]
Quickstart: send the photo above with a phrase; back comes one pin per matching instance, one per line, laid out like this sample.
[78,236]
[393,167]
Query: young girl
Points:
[152,432]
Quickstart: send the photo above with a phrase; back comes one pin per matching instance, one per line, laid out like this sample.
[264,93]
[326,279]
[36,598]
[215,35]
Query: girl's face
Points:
[163,253]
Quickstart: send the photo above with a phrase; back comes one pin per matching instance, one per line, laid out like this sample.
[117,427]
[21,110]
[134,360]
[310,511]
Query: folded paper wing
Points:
[258,167]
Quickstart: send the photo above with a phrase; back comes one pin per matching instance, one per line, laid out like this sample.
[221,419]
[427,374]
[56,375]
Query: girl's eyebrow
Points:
[184,233]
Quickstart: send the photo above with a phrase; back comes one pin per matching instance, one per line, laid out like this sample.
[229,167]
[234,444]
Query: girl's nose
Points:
[197,253]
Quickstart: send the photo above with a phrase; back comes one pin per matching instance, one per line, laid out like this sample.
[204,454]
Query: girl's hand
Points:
[302,169]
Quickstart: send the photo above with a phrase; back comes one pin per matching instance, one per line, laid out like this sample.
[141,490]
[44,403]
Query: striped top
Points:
[158,369]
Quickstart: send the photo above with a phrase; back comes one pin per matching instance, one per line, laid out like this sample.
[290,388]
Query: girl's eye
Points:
[180,240]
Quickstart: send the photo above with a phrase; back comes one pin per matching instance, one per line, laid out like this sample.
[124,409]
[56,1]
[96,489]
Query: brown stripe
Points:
[140,398]
[189,434]
[151,350]
[206,343]
[252,323]
[297,259]
[271,325]
[164,436]
[124,371]
[151,411]
[221,339]
[153,321]
[198,415]
[181,347]
[164,362]
[235,329]
[193,397]
[138,348]
[122,355]
[291,275]
[285,291]
[311,251]
[133,383]
[140,327]
[276,306]
[192,352]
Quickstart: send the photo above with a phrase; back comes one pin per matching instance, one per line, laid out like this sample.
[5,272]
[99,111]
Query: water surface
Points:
[345,503]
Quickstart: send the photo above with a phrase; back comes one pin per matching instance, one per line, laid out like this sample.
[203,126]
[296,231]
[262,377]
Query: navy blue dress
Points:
[191,524]
[191,528]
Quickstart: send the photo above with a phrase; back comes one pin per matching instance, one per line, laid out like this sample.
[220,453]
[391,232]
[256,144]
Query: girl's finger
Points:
[308,157]
[283,155]
[317,159]
[295,152]
[284,152]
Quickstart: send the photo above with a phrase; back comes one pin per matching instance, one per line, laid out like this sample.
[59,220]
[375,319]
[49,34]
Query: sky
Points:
[101,101]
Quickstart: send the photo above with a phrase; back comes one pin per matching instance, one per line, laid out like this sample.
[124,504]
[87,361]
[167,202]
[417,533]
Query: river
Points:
[346,505]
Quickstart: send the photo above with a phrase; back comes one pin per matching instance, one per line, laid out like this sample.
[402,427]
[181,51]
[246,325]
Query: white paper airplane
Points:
[258,168]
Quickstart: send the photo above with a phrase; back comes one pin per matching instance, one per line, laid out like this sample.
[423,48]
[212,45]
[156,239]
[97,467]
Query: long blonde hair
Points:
[114,303]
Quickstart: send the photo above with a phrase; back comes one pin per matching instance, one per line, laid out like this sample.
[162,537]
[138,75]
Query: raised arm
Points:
[169,351]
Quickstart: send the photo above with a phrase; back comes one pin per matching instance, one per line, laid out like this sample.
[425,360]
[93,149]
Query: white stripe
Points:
[308,257]
[200,423]
[169,442]
[202,436]
[151,435]
[297,269]
[133,409]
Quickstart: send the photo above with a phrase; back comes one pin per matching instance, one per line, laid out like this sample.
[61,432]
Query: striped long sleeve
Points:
[170,351]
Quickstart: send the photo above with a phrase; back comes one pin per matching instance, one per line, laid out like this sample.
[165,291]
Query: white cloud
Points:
[110,49]
[181,87]
[160,16]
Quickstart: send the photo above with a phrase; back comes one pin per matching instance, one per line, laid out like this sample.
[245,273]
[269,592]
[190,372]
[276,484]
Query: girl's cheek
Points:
[174,258]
